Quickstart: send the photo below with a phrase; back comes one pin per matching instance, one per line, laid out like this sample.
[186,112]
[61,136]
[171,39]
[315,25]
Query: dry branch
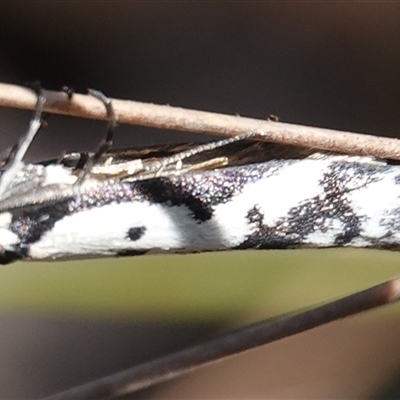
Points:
[167,117]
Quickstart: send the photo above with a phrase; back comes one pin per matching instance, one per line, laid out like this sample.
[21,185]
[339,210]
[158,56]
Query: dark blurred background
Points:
[333,65]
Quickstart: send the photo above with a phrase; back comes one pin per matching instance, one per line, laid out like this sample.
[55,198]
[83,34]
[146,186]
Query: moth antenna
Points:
[105,144]
[14,162]
[159,166]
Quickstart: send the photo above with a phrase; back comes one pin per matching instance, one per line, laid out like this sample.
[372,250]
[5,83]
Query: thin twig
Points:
[249,337]
[167,117]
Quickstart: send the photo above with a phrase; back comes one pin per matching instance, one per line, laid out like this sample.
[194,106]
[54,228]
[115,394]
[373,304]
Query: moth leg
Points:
[69,91]
[106,143]
[86,163]
[14,162]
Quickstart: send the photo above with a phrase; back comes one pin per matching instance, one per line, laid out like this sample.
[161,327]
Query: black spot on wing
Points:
[136,233]
[131,253]
[337,181]
[265,237]
[172,192]
[30,223]
[8,257]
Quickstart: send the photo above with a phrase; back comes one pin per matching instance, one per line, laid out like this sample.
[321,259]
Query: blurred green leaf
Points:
[201,286]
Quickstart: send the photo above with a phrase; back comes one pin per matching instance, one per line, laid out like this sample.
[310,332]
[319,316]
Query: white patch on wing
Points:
[290,187]
[7,238]
[5,219]
[326,234]
[373,203]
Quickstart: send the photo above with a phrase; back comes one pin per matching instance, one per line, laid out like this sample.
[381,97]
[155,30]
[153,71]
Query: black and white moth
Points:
[236,193]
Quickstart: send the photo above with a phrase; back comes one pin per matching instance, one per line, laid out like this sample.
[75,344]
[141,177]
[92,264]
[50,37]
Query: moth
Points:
[233,194]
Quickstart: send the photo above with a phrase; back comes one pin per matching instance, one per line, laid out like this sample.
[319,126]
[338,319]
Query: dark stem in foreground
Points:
[249,337]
